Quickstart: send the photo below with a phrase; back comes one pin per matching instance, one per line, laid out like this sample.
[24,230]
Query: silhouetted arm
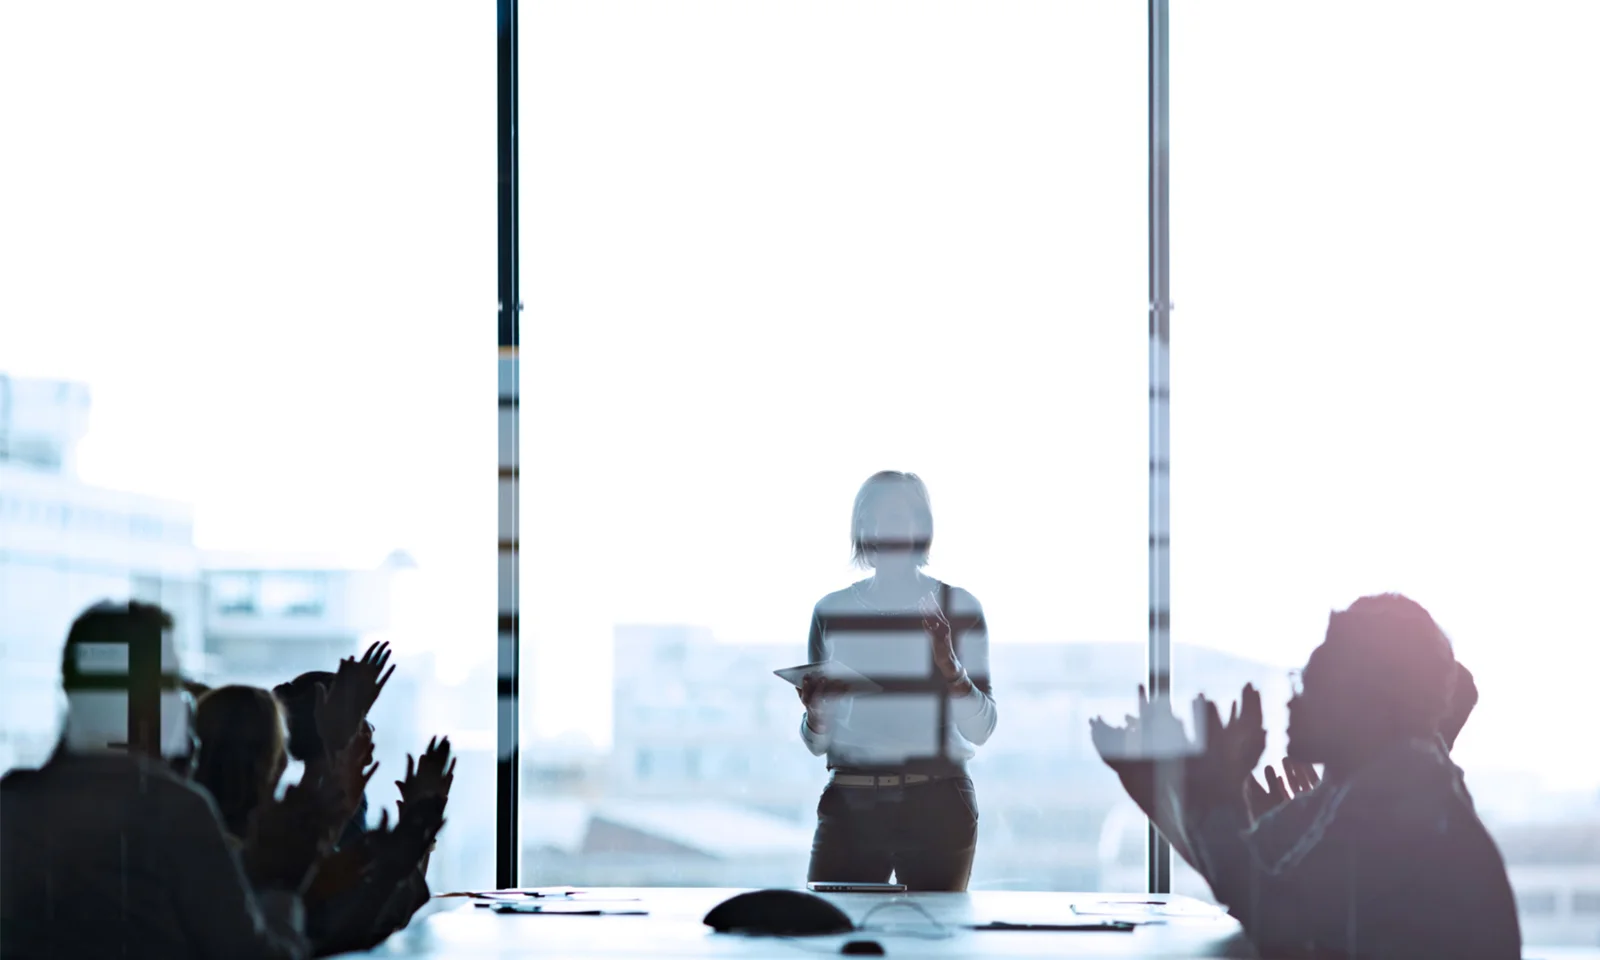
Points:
[975,713]
[1139,778]
[1397,884]
[220,914]
[412,895]
[816,651]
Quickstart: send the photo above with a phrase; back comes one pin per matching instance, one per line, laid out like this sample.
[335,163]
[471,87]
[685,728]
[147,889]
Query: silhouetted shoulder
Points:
[113,776]
[18,779]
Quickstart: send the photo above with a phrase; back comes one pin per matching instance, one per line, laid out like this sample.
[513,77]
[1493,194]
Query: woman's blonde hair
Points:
[241,750]
[882,486]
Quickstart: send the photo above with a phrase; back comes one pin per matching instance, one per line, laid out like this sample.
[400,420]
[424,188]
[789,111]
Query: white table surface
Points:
[454,927]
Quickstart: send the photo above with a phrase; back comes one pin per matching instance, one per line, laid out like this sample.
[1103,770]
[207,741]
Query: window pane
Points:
[768,251]
[1381,368]
[239,339]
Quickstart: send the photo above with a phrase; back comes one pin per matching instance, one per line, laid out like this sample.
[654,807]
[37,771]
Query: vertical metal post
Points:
[144,689]
[1160,651]
[508,848]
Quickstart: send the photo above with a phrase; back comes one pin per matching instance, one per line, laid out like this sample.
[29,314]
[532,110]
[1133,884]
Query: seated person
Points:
[373,885]
[299,699]
[105,851]
[241,757]
[1297,778]
[1386,857]
[358,898]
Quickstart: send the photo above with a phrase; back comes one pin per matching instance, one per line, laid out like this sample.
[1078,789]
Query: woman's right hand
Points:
[818,693]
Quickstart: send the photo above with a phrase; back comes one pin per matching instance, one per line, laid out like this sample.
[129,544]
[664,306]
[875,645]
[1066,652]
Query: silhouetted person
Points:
[1463,697]
[1386,857]
[1298,778]
[900,801]
[108,852]
[299,699]
[241,756]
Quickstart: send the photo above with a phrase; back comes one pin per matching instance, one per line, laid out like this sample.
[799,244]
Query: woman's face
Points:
[894,534]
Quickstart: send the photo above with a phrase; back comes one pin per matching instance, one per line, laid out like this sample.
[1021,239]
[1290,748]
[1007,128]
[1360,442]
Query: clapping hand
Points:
[1302,777]
[350,773]
[427,778]
[1217,776]
[1215,765]
[941,636]
[1156,731]
[1134,750]
[356,686]
[413,835]
[1297,778]
[287,840]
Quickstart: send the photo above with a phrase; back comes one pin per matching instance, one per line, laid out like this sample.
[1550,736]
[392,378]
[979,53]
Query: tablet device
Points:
[833,670]
[844,886]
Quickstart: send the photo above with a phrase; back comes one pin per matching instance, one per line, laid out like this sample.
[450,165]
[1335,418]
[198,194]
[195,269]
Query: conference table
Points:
[1167,926]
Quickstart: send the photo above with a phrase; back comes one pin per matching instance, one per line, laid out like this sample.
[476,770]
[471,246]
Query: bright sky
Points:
[771,248]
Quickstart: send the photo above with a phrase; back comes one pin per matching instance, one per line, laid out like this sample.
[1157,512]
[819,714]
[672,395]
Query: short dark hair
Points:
[1406,659]
[110,622]
[299,699]
[879,487]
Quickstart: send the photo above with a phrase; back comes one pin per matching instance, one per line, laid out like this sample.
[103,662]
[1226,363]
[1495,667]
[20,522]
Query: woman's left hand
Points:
[939,633]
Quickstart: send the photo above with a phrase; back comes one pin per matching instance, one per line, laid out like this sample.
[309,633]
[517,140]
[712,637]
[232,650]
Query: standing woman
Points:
[899,801]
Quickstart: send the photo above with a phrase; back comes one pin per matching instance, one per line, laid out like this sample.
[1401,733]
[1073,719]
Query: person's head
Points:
[1384,672]
[299,699]
[241,754]
[891,526]
[105,657]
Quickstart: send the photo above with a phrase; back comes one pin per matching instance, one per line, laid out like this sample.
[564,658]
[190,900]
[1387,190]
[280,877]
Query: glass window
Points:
[767,252]
[1537,903]
[294,594]
[1586,902]
[236,594]
[1380,376]
[285,265]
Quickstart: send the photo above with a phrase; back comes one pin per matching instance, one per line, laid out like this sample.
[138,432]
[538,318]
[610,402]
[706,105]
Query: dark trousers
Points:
[924,834]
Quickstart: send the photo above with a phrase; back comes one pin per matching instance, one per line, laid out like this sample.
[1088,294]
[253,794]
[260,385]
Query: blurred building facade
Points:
[64,545]
[257,619]
[707,781]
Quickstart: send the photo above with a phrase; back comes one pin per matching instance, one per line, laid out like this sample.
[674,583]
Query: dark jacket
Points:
[113,855]
[1391,863]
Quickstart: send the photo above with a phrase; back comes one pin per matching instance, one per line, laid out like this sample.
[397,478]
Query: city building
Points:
[256,619]
[707,781]
[267,619]
[64,545]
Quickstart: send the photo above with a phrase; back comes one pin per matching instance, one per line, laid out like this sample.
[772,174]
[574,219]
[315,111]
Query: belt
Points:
[896,780]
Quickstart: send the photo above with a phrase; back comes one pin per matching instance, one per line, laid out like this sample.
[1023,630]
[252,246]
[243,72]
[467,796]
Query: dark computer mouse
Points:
[859,948]
[778,913]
